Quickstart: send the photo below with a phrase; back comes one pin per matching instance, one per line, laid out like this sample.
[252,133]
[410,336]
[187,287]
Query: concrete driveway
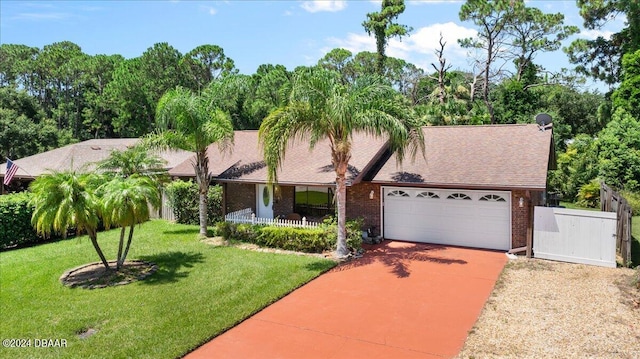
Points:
[401,300]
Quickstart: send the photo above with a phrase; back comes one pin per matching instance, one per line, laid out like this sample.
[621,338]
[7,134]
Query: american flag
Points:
[12,168]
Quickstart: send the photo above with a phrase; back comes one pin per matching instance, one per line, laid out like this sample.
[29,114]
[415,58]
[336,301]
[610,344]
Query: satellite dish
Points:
[543,119]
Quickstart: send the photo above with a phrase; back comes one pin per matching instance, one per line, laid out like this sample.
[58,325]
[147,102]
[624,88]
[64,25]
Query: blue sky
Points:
[290,33]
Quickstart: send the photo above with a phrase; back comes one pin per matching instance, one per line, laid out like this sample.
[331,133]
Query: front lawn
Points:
[198,292]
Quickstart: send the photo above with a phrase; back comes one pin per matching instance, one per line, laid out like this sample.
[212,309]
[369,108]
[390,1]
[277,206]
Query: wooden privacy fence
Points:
[165,211]
[247,216]
[612,201]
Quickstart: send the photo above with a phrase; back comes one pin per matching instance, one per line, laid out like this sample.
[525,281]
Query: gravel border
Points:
[546,309]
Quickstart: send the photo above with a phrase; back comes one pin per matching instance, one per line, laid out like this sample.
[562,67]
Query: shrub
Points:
[15,220]
[184,198]
[589,195]
[633,198]
[354,232]
[309,240]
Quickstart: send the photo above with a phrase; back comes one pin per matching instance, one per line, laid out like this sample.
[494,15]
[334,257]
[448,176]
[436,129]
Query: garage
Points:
[479,219]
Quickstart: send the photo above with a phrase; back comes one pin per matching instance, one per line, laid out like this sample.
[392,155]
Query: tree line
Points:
[58,94]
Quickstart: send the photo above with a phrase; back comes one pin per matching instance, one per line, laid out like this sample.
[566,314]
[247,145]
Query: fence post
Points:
[304,220]
[253,218]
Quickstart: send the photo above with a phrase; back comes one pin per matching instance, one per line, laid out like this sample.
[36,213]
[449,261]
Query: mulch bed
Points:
[95,275]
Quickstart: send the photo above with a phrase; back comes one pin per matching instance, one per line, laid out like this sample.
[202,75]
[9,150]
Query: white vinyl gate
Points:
[480,219]
[575,236]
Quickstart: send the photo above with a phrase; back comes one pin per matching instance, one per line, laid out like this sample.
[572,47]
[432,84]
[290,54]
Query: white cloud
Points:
[42,16]
[209,10]
[324,5]
[420,2]
[353,42]
[417,48]
[594,34]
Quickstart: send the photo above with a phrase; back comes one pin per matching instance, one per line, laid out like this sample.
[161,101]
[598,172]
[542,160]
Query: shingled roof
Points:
[301,165]
[82,156]
[491,156]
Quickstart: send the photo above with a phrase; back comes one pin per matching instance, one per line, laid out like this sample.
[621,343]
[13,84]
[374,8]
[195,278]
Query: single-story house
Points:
[474,187]
[80,156]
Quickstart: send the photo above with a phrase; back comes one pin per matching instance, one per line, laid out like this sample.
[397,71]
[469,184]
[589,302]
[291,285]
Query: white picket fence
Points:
[247,216]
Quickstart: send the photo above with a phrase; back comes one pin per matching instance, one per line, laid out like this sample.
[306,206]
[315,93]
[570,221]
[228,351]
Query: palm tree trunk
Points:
[341,198]
[202,176]
[203,210]
[94,240]
[120,248]
[126,250]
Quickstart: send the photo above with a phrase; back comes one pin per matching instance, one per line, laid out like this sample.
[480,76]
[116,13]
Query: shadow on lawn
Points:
[172,266]
[397,258]
[183,231]
[321,266]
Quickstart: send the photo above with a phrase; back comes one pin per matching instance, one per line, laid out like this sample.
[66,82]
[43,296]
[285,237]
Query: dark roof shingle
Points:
[300,166]
[491,156]
[82,156]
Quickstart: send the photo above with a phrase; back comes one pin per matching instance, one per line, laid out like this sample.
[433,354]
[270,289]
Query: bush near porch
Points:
[309,240]
[198,292]
[184,197]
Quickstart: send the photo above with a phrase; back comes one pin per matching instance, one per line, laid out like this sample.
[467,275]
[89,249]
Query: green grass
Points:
[635,241]
[198,292]
[570,205]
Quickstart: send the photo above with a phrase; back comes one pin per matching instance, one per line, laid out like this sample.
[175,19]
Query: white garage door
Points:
[456,217]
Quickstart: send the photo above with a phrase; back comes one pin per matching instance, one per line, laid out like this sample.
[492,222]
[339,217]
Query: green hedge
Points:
[184,197]
[15,220]
[310,240]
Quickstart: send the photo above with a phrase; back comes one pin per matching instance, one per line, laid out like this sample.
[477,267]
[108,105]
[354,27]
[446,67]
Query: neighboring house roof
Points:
[301,166]
[491,156]
[82,156]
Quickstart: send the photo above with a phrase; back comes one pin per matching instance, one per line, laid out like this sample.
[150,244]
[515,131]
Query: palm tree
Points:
[321,107]
[125,202]
[134,160]
[192,122]
[63,200]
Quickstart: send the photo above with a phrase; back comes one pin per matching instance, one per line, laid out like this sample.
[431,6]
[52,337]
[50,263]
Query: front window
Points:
[314,201]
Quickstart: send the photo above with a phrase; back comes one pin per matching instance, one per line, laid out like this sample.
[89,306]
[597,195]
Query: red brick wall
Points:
[285,201]
[359,204]
[519,219]
[240,196]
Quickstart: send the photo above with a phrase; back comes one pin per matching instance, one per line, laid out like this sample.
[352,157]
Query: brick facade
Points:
[284,202]
[239,196]
[519,219]
[360,205]
[520,216]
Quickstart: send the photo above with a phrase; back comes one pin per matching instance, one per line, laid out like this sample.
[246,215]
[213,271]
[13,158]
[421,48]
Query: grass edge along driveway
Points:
[198,292]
